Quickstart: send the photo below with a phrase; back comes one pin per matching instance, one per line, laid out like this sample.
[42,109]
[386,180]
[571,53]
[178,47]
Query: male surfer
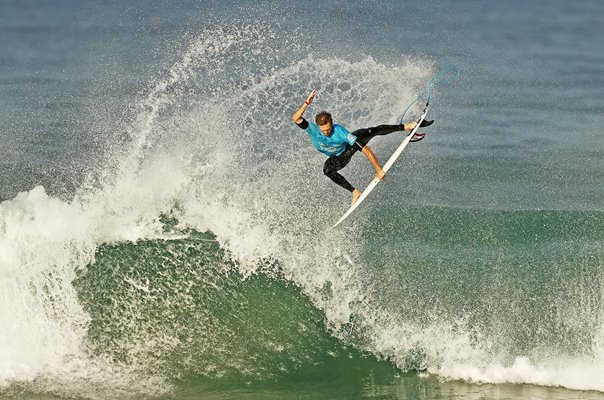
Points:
[340,145]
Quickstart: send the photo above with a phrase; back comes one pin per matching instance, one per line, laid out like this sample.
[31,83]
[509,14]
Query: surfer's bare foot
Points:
[409,126]
[355,196]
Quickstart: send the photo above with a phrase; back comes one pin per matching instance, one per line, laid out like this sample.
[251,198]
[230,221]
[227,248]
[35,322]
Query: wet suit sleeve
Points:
[303,124]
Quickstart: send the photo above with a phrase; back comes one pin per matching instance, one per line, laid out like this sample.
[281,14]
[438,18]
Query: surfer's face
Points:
[326,129]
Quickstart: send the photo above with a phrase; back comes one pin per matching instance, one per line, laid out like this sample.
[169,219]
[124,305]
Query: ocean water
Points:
[164,225]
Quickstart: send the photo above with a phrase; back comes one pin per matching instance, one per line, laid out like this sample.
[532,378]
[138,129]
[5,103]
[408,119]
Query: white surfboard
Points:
[386,167]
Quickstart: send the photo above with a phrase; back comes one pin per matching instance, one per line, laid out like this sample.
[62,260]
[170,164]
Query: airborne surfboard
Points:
[386,167]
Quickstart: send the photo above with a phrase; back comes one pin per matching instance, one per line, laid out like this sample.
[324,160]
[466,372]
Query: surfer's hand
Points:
[380,174]
[311,96]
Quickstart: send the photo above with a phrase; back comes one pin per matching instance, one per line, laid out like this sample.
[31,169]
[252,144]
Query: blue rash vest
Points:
[335,143]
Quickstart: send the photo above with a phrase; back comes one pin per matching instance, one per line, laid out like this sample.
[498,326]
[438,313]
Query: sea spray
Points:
[45,241]
[52,239]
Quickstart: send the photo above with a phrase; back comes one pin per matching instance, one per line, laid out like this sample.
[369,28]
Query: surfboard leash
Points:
[444,77]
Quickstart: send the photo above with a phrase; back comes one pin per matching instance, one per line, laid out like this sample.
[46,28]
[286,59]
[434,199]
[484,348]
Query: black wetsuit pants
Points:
[335,163]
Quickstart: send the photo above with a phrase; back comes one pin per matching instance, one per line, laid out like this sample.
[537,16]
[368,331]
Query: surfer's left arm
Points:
[379,172]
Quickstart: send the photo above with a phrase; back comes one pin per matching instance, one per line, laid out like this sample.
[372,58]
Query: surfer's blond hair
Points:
[323,118]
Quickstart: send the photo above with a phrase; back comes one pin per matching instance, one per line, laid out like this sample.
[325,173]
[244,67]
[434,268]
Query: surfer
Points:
[340,145]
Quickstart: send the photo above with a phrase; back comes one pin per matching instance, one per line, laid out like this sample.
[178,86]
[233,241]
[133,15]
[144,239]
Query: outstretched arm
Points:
[297,117]
[379,172]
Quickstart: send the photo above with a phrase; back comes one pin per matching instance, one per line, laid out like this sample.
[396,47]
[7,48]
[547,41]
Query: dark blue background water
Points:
[530,91]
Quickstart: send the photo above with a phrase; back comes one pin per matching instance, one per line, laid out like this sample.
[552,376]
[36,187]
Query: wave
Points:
[198,248]
[180,308]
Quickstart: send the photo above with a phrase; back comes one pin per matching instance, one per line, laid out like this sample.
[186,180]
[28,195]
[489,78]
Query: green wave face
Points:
[179,309]
[508,284]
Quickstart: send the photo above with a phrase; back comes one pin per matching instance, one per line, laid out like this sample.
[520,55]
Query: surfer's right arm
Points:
[297,117]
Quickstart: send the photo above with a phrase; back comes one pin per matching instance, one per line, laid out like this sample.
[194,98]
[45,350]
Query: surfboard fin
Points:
[417,137]
[426,122]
